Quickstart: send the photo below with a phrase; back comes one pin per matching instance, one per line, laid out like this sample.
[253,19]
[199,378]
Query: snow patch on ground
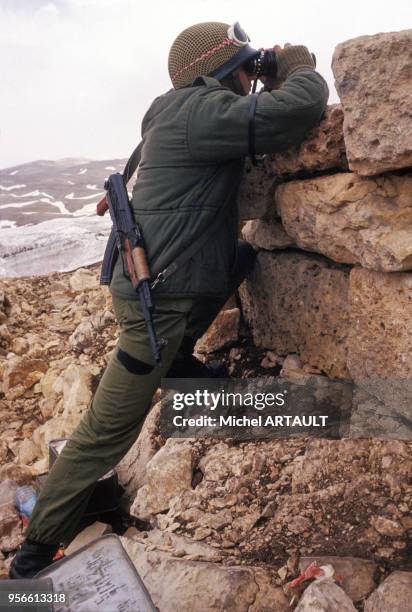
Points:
[38,232]
[18,204]
[60,205]
[34,194]
[87,210]
[6,224]
[71,196]
[12,187]
[56,245]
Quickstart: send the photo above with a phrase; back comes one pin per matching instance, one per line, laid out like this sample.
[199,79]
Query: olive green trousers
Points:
[112,423]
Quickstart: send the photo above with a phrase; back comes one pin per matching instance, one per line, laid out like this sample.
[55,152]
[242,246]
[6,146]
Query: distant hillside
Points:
[47,215]
[44,190]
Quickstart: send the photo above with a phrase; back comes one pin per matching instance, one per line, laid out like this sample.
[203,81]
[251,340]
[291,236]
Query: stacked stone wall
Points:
[229,525]
[332,223]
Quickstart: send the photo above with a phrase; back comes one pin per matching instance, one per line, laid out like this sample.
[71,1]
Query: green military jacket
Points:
[194,142]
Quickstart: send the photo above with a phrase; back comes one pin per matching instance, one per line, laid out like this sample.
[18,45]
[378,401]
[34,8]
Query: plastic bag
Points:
[25,500]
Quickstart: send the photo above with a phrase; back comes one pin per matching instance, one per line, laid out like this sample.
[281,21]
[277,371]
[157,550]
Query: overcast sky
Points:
[78,75]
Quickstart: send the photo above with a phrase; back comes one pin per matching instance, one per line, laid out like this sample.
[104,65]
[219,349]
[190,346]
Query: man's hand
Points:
[289,58]
[272,82]
[292,58]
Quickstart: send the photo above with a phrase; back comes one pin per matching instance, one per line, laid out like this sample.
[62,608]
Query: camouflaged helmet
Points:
[208,49]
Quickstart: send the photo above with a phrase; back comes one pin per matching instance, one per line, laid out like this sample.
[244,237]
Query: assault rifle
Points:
[127,238]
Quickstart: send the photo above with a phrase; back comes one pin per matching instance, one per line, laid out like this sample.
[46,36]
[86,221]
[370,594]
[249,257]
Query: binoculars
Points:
[262,64]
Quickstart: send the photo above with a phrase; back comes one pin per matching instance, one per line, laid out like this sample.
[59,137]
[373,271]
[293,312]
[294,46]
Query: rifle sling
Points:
[132,163]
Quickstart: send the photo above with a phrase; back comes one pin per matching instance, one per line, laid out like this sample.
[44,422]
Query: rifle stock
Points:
[101,207]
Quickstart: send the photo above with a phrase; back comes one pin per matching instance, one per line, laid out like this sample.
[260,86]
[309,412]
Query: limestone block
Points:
[51,384]
[11,532]
[20,374]
[381,315]
[380,339]
[168,473]
[255,198]
[325,596]
[322,149]
[20,346]
[77,391]
[373,76]
[193,586]
[222,332]
[387,527]
[395,593]
[132,468]
[21,474]
[177,545]
[373,417]
[54,428]
[27,452]
[83,334]
[75,383]
[298,303]
[269,596]
[268,234]
[84,279]
[351,219]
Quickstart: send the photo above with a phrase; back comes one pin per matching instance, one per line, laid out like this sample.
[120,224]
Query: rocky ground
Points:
[227,524]
[264,506]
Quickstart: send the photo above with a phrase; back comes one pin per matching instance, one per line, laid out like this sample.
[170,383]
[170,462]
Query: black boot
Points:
[31,558]
[190,367]
[185,364]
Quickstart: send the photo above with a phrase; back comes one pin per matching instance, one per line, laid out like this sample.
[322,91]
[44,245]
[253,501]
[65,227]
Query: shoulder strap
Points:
[251,127]
[132,163]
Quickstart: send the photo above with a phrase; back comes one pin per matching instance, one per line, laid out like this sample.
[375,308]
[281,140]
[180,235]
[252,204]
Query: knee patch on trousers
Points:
[133,365]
